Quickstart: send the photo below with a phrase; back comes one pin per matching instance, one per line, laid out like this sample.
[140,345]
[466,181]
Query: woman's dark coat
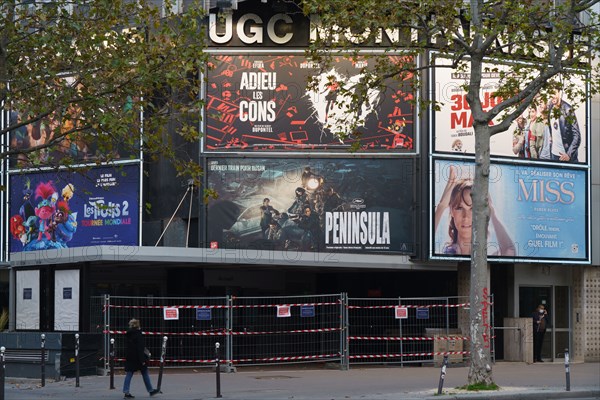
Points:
[134,354]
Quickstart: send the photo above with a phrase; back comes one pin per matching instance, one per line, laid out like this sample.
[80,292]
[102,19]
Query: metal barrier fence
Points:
[289,329]
[199,323]
[406,330]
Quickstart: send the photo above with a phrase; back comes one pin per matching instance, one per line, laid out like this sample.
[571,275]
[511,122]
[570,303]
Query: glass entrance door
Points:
[561,327]
[557,302]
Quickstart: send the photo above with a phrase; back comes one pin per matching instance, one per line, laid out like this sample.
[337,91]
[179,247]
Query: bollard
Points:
[163,351]
[77,360]
[43,363]
[2,371]
[567,372]
[442,374]
[111,363]
[218,370]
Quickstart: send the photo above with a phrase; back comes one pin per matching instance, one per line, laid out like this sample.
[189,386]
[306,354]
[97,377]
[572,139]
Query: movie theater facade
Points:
[303,211]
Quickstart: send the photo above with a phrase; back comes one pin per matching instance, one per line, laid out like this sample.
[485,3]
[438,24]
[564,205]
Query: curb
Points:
[542,395]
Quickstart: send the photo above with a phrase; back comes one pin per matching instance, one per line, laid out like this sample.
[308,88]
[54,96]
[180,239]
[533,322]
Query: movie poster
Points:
[346,205]
[55,210]
[536,135]
[535,212]
[66,134]
[262,103]
[80,147]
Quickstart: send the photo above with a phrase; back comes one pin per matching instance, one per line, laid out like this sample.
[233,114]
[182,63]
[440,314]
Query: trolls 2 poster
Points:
[55,210]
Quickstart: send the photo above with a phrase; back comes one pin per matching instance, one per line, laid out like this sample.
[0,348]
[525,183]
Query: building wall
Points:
[463,283]
[586,314]
[587,329]
[583,280]
[595,179]
[590,289]
[578,351]
[595,172]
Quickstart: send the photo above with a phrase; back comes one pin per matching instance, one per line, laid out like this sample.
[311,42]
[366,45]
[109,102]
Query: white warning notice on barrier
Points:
[284,311]
[171,313]
[401,312]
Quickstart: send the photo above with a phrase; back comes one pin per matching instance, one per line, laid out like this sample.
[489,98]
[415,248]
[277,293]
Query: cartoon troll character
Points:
[67,192]
[60,216]
[45,208]
[16,227]
[64,223]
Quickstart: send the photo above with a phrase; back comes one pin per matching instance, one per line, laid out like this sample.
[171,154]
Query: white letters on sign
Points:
[249,29]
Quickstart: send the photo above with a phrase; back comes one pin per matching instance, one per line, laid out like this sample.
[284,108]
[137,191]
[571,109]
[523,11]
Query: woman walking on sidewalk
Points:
[136,358]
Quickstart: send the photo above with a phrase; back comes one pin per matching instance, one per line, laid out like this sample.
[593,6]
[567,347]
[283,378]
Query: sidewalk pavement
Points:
[516,381]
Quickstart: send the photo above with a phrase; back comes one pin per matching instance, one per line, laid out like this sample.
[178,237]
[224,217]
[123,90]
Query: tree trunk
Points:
[480,371]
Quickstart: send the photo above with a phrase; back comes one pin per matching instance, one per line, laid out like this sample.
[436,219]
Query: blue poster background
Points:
[53,210]
[544,210]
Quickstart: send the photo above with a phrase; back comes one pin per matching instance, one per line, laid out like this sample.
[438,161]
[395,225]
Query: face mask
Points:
[541,311]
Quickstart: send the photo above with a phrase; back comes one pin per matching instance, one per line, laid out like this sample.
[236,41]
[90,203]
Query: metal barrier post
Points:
[162,362]
[443,374]
[111,363]
[492,329]
[399,335]
[2,372]
[347,318]
[345,341]
[447,316]
[218,369]
[228,336]
[106,332]
[77,360]
[567,371]
[43,361]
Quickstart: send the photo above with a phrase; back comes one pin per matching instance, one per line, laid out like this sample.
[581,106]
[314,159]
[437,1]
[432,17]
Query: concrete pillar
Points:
[588,326]
[463,281]
[577,321]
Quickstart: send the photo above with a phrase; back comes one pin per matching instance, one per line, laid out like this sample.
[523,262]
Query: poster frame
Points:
[125,163]
[433,255]
[410,249]
[303,152]
[584,108]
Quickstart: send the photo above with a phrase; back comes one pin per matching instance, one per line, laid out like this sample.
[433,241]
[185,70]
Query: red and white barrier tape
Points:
[290,358]
[408,355]
[158,307]
[182,361]
[234,333]
[225,306]
[198,333]
[392,338]
[411,306]
[224,333]
[335,303]
[247,360]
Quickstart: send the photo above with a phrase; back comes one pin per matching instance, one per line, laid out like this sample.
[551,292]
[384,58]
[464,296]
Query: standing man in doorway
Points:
[540,317]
